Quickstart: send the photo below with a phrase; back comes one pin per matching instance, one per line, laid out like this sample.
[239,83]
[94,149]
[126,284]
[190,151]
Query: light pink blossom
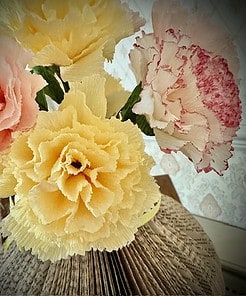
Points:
[18,88]
[190,96]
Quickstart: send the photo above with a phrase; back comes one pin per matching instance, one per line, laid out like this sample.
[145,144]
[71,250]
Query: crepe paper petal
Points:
[7,180]
[83,182]
[190,94]
[18,88]
[93,63]
[94,89]
[76,35]
[115,94]
[49,206]
[194,25]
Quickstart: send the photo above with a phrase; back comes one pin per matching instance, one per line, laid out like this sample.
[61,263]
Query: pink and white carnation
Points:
[190,96]
[18,88]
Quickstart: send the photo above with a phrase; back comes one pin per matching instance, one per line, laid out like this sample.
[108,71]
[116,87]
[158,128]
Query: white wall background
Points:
[221,198]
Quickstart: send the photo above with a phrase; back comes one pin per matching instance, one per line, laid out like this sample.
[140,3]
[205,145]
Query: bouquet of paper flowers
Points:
[72,152]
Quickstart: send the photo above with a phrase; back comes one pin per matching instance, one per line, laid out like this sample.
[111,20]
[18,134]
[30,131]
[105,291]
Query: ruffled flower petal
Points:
[7,180]
[194,26]
[190,96]
[77,35]
[83,181]
[18,88]
[115,94]
[59,205]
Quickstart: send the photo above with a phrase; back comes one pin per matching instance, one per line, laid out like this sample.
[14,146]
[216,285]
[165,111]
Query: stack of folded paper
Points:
[171,255]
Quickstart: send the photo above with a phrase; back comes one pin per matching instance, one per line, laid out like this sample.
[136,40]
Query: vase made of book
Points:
[171,255]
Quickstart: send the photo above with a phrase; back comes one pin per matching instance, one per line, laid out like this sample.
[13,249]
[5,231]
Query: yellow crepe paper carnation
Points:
[82,180]
[76,34]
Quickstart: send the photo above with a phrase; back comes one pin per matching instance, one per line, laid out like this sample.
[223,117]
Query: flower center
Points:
[76,164]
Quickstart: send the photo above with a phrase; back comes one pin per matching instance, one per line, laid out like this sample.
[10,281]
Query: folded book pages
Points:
[171,255]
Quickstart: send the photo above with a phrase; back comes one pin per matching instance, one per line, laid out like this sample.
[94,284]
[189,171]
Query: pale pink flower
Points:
[18,88]
[190,96]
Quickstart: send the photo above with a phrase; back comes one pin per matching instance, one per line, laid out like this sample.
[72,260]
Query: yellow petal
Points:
[101,200]
[71,186]
[77,98]
[84,220]
[116,95]
[85,66]
[56,120]
[24,155]
[50,53]
[7,180]
[49,206]
[64,210]
[94,89]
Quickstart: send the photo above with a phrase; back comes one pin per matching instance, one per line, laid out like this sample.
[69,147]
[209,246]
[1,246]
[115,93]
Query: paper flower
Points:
[76,35]
[82,180]
[18,88]
[79,172]
[190,96]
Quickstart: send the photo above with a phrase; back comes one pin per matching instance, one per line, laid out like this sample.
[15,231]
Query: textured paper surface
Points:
[171,255]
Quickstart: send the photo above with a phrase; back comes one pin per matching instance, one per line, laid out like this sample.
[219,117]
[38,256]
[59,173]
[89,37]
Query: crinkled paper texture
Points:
[190,94]
[83,181]
[76,35]
[18,88]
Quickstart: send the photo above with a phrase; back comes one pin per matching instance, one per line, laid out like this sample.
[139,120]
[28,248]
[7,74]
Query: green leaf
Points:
[126,113]
[41,100]
[56,70]
[144,126]
[53,89]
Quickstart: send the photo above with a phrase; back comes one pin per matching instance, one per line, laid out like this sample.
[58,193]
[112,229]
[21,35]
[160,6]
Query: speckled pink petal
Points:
[195,24]
[217,87]
[189,88]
